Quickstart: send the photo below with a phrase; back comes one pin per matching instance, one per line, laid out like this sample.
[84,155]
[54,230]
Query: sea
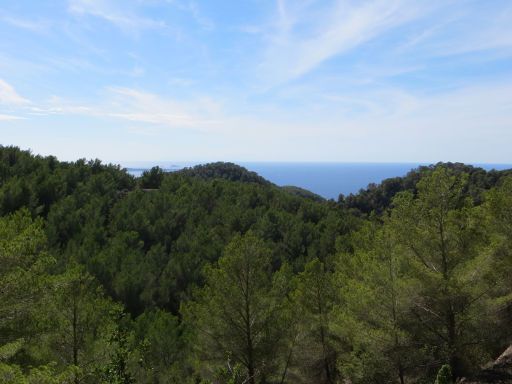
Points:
[328,180]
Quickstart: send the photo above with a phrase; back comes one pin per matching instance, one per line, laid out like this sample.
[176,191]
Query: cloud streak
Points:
[304,38]
[27,24]
[133,105]
[125,20]
[9,96]
[9,117]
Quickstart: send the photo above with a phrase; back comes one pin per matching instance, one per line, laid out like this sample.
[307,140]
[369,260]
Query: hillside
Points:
[185,222]
[378,197]
[223,170]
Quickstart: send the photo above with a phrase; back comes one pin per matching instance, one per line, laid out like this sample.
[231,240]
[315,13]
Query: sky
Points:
[258,80]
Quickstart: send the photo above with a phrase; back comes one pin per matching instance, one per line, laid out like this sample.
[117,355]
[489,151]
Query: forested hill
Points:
[192,214]
[227,171]
[378,197]
[215,275]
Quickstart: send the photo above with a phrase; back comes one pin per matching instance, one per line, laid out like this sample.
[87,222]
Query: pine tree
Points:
[374,294]
[24,281]
[237,314]
[314,299]
[442,237]
[79,319]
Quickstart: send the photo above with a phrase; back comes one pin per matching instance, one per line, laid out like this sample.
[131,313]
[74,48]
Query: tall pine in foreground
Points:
[79,318]
[375,298]
[238,315]
[442,237]
[314,297]
[498,210]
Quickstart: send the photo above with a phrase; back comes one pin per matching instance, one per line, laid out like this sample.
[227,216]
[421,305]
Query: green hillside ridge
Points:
[223,170]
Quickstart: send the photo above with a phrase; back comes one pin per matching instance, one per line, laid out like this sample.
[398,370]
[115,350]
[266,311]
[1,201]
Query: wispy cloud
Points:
[306,34]
[112,12]
[201,114]
[457,29]
[193,9]
[494,31]
[135,105]
[38,25]
[9,96]
[4,117]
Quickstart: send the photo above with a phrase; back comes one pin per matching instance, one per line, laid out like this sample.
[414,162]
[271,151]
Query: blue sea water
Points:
[328,180]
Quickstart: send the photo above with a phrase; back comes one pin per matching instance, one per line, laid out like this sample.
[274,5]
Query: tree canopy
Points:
[213,274]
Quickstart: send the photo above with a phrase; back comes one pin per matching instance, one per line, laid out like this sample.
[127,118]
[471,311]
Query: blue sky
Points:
[256,80]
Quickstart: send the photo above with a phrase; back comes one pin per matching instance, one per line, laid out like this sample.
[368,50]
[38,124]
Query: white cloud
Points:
[201,114]
[196,14]
[457,28]
[9,96]
[454,123]
[58,106]
[9,117]
[31,25]
[121,17]
[135,105]
[306,35]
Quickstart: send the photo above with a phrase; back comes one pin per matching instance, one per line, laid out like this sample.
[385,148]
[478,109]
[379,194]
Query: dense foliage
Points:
[215,275]
[379,197]
[227,171]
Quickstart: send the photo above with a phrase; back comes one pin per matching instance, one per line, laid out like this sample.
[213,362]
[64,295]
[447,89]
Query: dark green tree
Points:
[152,179]
[24,282]
[374,301]
[237,313]
[314,298]
[441,235]
[78,321]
